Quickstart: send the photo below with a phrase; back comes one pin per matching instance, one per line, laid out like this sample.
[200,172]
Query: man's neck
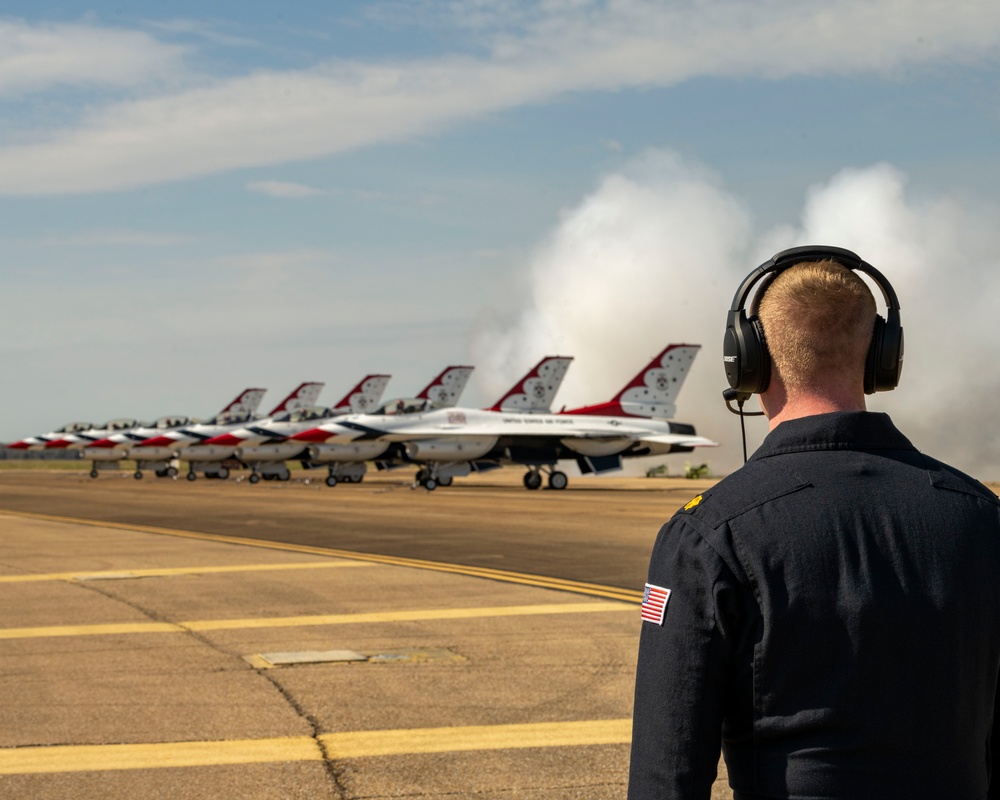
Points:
[780,407]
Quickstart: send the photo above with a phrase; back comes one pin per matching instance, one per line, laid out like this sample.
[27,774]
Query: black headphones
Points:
[745,355]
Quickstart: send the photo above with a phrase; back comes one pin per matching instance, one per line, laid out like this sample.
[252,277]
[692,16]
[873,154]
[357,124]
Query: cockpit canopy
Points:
[405,405]
[303,414]
[121,424]
[75,427]
[170,422]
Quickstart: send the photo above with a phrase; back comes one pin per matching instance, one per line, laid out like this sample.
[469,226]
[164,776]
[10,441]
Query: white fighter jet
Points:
[355,439]
[442,392]
[77,440]
[454,442]
[264,445]
[122,444]
[39,442]
[215,460]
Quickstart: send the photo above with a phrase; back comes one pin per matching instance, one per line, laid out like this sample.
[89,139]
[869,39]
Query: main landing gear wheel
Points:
[532,480]
[331,480]
[171,472]
[430,484]
[254,478]
[558,480]
[223,473]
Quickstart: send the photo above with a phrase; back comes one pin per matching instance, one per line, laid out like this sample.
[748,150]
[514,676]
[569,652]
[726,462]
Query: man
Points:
[829,614]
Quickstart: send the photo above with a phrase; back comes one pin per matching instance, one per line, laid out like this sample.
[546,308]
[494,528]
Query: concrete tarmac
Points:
[144,661]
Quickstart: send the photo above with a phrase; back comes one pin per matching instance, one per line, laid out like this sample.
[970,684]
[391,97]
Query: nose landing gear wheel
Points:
[558,480]
[93,473]
[254,478]
[138,475]
[331,480]
[532,480]
[192,477]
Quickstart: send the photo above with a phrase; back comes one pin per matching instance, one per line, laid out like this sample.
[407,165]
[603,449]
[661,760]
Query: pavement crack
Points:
[333,773]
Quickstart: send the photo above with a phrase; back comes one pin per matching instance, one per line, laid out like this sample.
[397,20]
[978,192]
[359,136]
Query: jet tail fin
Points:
[245,403]
[363,398]
[303,395]
[447,387]
[653,392]
[533,394]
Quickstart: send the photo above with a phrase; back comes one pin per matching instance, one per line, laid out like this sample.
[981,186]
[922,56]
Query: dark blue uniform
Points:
[833,621]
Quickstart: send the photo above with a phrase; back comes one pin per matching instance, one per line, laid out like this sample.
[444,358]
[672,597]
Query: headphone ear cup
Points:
[747,362]
[763,355]
[873,357]
[884,361]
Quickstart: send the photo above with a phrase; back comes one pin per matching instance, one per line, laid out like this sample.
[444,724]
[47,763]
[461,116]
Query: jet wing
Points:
[677,439]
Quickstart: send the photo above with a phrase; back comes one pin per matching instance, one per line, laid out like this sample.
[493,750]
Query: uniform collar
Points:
[838,430]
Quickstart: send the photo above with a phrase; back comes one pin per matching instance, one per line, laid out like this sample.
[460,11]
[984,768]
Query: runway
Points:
[597,531]
[378,648]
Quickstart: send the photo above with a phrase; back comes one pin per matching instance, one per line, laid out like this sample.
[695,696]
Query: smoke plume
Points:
[654,256]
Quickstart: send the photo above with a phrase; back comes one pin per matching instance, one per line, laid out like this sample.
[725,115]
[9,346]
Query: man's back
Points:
[848,600]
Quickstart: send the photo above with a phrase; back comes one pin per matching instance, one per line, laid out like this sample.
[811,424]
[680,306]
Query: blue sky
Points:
[192,202]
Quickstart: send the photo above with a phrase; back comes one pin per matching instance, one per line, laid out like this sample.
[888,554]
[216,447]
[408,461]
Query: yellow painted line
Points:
[409,616]
[167,571]
[479,737]
[595,606]
[360,744]
[541,581]
[82,758]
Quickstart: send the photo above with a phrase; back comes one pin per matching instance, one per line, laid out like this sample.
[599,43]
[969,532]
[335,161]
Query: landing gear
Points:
[445,480]
[558,480]
[254,478]
[192,476]
[137,475]
[93,472]
[346,472]
[533,478]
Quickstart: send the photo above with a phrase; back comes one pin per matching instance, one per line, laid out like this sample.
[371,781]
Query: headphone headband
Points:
[796,255]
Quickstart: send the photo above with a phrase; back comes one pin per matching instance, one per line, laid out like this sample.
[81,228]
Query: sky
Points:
[198,198]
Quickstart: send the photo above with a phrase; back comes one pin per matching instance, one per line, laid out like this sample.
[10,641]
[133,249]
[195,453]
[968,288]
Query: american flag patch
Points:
[654,603]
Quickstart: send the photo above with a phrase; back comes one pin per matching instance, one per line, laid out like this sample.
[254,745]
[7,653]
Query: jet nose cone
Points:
[312,435]
[226,439]
[157,441]
[57,444]
[21,445]
[103,443]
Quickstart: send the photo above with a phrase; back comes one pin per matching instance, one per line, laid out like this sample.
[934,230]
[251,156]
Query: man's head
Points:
[818,318]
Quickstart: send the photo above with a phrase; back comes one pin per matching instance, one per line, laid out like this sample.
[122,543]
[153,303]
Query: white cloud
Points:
[283,189]
[270,117]
[34,57]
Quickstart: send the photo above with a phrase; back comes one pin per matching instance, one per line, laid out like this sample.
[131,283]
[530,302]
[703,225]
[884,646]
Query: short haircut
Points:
[818,318]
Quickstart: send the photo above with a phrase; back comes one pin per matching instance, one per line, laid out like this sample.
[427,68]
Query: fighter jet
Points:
[39,442]
[354,439]
[77,440]
[121,445]
[162,448]
[264,445]
[454,442]
[443,391]
[210,459]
